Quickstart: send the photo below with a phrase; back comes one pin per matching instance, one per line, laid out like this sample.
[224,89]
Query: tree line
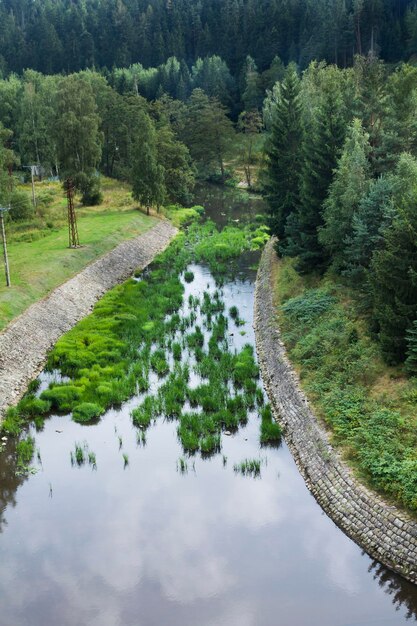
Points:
[53,36]
[340,178]
[75,126]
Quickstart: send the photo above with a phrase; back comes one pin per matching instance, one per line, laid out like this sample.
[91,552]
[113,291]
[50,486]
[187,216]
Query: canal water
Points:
[148,542]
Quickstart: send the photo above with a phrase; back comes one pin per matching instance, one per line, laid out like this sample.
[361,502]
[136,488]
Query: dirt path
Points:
[25,343]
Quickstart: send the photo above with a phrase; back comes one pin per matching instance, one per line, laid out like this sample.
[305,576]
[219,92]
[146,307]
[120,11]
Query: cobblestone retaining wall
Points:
[384,532]
[25,343]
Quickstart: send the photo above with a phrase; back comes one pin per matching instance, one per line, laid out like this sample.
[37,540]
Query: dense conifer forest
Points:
[69,36]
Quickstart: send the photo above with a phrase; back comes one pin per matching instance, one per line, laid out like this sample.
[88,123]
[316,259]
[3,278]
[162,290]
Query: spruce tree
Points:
[323,136]
[411,339]
[281,174]
[350,184]
[393,274]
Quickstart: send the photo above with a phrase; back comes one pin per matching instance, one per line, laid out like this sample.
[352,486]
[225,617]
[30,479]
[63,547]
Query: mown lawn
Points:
[369,408]
[39,256]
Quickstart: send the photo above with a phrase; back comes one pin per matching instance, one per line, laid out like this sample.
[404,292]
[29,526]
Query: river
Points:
[149,543]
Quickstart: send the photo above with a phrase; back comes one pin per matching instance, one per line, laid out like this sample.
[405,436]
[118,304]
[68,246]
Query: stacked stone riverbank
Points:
[383,531]
[25,343]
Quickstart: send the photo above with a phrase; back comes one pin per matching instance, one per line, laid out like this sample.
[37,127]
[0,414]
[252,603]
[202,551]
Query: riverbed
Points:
[149,541]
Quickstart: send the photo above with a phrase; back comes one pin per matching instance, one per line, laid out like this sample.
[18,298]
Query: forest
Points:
[54,36]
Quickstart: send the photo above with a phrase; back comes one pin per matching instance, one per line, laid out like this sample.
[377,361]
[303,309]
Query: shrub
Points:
[21,207]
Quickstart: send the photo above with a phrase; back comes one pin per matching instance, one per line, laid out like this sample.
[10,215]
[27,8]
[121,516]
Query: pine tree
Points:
[281,174]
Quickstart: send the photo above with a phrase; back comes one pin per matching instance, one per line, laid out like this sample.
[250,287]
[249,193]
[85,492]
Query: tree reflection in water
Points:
[9,480]
[403,593]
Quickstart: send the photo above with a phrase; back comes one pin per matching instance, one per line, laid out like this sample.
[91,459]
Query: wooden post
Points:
[74,241]
[32,170]
[3,234]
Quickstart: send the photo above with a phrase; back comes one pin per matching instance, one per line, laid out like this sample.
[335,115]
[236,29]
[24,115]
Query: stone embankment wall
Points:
[384,532]
[25,343]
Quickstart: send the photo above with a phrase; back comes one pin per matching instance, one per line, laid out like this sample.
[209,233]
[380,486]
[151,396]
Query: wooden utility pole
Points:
[74,241]
[32,172]
[32,169]
[3,234]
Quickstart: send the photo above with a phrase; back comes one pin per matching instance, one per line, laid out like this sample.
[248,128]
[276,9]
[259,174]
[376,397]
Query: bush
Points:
[21,207]
[89,187]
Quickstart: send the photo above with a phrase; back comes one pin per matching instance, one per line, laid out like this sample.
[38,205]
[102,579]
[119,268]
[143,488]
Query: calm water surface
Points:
[148,545]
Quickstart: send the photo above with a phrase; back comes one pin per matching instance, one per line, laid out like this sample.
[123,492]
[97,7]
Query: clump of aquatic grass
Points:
[142,384]
[80,454]
[62,397]
[188,276]
[271,431]
[143,415]
[33,386]
[141,438]
[210,444]
[234,312]
[182,466]
[86,412]
[245,368]
[30,406]
[193,302]
[189,440]
[159,363]
[12,423]
[176,351]
[249,467]
[25,450]
[195,339]
[92,459]
[173,394]
[211,305]
[260,398]
[125,460]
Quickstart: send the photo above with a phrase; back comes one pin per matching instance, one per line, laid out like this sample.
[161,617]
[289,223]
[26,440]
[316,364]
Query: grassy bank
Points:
[38,249]
[369,408]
